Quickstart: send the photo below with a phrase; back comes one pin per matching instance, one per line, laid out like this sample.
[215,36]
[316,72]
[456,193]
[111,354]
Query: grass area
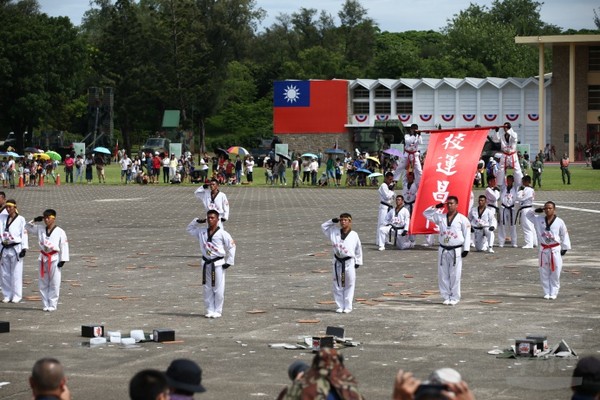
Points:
[582,177]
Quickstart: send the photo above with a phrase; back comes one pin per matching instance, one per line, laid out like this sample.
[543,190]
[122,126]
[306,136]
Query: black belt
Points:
[519,212]
[510,208]
[395,229]
[8,246]
[342,261]
[493,206]
[383,203]
[410,206]
[210,262]
[448,248]
[479,227]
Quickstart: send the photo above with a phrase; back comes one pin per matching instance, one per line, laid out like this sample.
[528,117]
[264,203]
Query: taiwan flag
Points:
[310,106]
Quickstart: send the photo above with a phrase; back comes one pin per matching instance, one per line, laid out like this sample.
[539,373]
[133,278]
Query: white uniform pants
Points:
[529,235]
[383,210]
[50,283]
[481,238]
[449,273]
[508,225]
[214,296]
[509,161]
[402,242]
[12,275]
[344,295]
[550,279]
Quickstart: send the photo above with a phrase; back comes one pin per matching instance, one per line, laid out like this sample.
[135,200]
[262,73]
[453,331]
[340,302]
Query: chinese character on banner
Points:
[449,170]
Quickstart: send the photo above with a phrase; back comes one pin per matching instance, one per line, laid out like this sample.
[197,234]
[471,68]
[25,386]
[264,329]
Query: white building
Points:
[447,103]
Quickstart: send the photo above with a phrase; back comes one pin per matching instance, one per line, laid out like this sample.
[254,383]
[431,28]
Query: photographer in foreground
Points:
[407,387]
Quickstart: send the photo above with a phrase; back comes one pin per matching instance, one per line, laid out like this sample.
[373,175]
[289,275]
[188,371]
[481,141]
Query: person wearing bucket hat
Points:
[185,378]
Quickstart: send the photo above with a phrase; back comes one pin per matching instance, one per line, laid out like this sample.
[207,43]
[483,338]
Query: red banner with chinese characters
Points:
[449,170]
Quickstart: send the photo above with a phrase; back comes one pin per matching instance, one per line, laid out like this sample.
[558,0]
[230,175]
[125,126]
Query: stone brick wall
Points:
[312,142]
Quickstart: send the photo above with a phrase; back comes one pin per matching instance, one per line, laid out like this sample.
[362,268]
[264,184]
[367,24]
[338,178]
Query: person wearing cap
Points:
[12,250]
[218,254]
[184,378]
[386,197]
[54,253]
[347,257]
[214,199]
[508,158]
[327,378]
[454,235]
[585,383]
[554,241]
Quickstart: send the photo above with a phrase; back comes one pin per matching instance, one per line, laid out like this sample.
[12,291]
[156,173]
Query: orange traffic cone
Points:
[21,183]
[58,180]
[41,180]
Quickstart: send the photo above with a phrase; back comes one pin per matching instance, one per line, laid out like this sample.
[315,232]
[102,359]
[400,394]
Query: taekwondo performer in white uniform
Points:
[509,158]
[214,199]
[482,225]
[386,196]
[554,242]
[410,160]
[54,252]
[455,234]
[508,213]
[492,195]
[347,257]
[525,197]
[218,254]
[13,248]
[409,191]
[396,225]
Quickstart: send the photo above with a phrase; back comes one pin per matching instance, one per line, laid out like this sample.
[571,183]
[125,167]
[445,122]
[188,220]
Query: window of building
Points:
[383,93]
[594,58]
[404,107]
[360,107]
[383,107]
[403,92]
[360,93]
[594,97]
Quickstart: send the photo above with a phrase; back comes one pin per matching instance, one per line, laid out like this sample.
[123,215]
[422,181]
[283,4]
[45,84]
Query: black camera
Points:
[430,391]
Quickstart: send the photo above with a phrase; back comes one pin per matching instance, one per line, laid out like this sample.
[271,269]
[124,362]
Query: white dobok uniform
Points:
[508,216]
[508,158]
[14,239]
[481,221]
[454,237]
[216,250]
[552,238]
[395,228]
[54,248]
[386,197]
[525,198]
[218,203]
[347,253]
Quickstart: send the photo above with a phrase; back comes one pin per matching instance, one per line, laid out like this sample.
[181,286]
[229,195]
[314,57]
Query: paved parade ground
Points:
[133,266]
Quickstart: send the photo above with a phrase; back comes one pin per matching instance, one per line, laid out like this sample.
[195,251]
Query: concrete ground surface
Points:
[133,266]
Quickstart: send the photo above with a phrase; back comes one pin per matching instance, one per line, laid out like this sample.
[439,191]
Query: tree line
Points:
[209,59]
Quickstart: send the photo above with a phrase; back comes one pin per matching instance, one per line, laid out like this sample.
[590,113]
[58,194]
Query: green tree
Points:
[41,60]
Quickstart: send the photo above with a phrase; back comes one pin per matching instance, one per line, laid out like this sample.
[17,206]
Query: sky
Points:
[390,15]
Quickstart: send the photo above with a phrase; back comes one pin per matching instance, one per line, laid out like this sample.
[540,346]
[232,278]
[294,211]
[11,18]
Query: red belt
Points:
[549,246]
[506,159]
[410,165]
[48,256]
